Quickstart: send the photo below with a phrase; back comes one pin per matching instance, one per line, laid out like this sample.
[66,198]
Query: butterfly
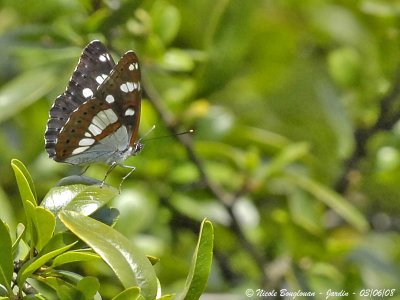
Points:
[97,118]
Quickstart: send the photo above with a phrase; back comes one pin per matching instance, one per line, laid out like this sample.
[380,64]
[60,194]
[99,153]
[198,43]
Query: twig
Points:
[388,116]
[226,199]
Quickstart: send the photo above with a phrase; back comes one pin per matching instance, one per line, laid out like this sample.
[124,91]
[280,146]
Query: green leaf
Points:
[30,224]
[20,232]
[131,293]
[201,263]
[57,245]
[340,205]
[74,256]
[66,291]
[128,263]
[91,198]
[6,257]
[88,286]
[24,181]
[78,197]
[44,222]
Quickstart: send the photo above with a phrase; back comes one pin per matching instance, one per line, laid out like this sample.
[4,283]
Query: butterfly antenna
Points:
[147,133]
[190,131]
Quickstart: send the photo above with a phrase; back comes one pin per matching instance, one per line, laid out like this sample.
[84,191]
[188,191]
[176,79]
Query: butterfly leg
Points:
[131,168]
[112,166]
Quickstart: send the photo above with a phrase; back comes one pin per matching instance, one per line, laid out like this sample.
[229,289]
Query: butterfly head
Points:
[137,148]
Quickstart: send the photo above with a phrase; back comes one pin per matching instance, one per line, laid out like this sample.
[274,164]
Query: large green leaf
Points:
[129,264]
[82,198]
[196,280]
[78,197]
[6,258]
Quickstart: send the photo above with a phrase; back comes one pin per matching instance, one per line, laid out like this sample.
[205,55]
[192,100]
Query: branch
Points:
[226,199]
[388,116]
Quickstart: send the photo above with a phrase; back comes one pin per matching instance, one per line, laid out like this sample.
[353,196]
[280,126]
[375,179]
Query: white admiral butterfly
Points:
[97,118]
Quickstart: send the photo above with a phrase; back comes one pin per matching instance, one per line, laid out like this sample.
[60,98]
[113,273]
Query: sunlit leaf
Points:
[127,261]
[78,197]
[196,280]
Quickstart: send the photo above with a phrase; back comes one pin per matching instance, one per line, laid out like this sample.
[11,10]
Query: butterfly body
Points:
[97,118]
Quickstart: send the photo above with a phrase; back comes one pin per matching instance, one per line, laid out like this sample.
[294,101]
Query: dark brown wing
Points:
[95,64]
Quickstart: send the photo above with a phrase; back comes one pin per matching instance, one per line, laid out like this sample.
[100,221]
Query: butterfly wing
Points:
[95,64]
[105,127]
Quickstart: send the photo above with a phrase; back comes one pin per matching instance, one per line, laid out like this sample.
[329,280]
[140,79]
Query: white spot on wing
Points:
[101,78]
[86,92]
[124,88]
[129,86]
[86,142]
[107,117]
[88,134]
[97,121]
[112,117]
[94,129]
[110,98]
[79,150]
[103,57]
[133,66]
[129,112]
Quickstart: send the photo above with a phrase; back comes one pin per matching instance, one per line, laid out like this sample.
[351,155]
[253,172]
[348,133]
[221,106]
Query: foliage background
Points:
[295,157]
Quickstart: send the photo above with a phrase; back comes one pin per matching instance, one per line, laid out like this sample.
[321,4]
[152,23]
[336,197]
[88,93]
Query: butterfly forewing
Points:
[123,91]
[94,66]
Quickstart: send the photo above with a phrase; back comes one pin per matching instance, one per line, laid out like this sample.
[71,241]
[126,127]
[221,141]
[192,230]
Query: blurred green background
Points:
[295,106]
